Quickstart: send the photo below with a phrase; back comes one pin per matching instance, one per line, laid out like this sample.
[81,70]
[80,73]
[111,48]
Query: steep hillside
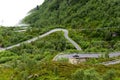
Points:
[93,24]
[76,14]
[97,21]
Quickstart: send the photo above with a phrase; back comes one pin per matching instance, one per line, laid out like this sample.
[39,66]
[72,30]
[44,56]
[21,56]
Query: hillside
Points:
[76,14]
[92,24]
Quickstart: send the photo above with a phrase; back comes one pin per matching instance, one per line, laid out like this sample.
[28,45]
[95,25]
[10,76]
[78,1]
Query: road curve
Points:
[87,55]
[111,62]
[43,35]
[69,56]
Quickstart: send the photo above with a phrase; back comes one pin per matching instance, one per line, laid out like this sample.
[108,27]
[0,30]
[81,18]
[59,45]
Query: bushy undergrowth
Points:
[96,40]
[93,24]
[30,69]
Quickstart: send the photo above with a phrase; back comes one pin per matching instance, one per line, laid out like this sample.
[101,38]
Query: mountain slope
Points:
[76,13]
[97,21]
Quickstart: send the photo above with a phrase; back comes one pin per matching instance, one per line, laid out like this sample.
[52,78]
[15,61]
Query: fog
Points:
[13,11]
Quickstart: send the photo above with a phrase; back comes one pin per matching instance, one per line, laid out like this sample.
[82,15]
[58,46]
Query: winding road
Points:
[67,55]
[107,63]
[44,35]
[87,55]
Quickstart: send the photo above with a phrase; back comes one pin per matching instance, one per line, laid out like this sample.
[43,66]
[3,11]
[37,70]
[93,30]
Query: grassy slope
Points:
[54,71]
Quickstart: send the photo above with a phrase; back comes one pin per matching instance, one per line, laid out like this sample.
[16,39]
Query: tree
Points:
[37,7]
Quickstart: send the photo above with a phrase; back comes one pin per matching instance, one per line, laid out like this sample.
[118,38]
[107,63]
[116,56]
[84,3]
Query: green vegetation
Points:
[97,40]
[10,36]
[91,74]
[42,49]
[93,24]
[30,69]
[34,61]
[76,14]
[45,48]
